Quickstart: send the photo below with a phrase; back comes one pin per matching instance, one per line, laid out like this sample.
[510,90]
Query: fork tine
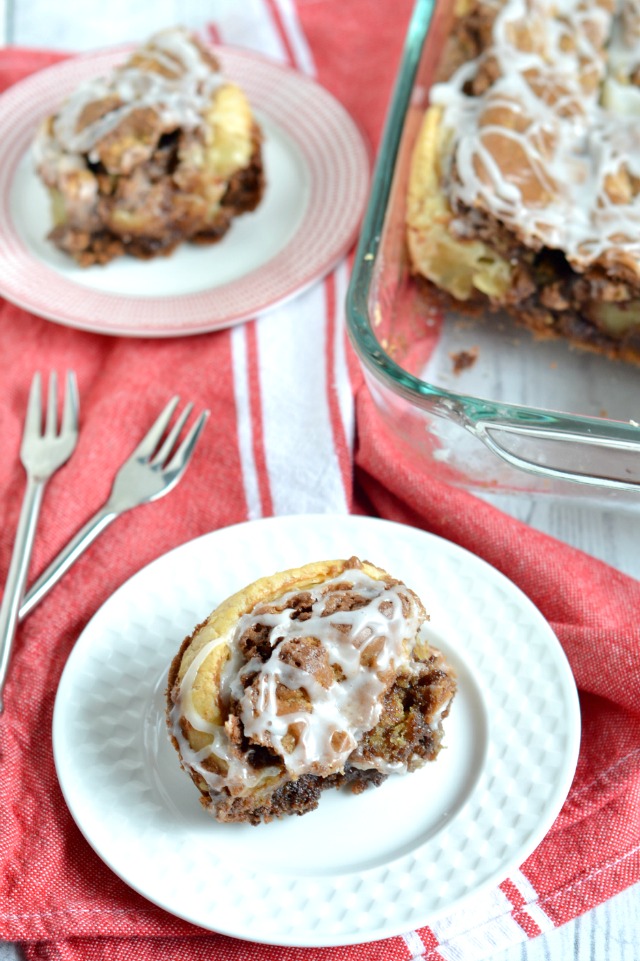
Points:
[150,441]
[183,454]
[172,436]
[33,418]
[71,406]
[51,420]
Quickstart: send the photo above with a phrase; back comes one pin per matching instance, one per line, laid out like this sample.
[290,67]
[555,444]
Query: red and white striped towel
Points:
[293,430]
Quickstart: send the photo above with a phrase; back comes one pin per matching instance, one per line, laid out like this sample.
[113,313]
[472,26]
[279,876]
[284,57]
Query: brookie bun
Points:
[309,679]
[163,150]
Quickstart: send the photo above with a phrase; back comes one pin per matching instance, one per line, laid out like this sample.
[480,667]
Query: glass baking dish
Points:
[481,402]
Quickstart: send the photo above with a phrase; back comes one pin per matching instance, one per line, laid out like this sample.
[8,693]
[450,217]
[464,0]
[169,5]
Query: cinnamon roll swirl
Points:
[313,678]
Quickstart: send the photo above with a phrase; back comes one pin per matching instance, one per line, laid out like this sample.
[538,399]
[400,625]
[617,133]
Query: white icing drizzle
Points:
[552,147]
[240,775]
[365,647]
[178,99]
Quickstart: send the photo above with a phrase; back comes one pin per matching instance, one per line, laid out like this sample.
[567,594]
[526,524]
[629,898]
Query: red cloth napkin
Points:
[264,453]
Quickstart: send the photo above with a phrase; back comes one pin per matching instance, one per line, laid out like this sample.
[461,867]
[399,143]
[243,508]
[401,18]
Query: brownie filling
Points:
[242,195]
[590,309]
[409,728]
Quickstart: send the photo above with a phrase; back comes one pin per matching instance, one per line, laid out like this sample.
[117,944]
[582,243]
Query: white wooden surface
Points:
[611,932]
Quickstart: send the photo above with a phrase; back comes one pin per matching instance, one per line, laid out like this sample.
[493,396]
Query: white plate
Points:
[358,868]
[317,172]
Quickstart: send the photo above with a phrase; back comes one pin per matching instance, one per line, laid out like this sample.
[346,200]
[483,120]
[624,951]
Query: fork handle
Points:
[67,556]
[17,573]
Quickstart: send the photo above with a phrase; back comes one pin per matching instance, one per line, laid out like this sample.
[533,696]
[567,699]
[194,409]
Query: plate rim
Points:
[339,234]
[560,790]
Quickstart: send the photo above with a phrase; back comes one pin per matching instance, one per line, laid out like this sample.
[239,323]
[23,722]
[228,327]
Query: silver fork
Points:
[152,470]
[41,453]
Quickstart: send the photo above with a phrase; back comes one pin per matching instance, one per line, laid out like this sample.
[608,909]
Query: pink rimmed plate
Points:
[317,169]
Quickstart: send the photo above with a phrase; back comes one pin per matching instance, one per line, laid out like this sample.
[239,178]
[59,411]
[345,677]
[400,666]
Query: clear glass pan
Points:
[527,414]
